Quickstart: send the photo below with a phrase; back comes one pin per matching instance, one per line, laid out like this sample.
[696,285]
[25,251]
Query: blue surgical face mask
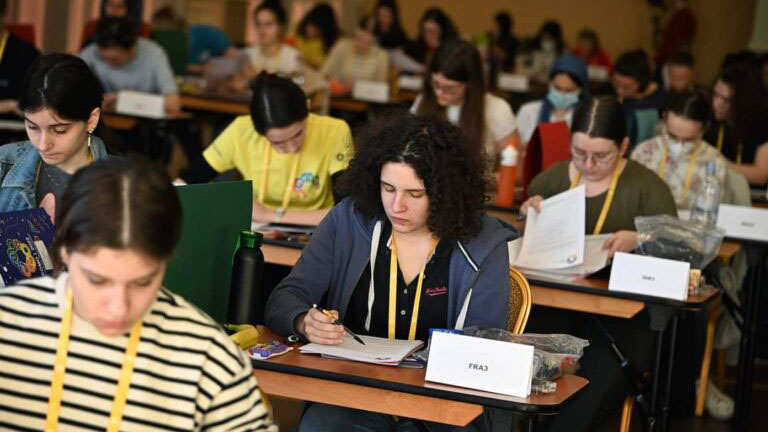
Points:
[563,99]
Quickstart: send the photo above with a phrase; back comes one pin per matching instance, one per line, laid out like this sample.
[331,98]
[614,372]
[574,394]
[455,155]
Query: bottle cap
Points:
[711,168]
[250,239]
[509,156]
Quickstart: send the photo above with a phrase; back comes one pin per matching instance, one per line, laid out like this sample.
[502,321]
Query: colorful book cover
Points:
[26,237]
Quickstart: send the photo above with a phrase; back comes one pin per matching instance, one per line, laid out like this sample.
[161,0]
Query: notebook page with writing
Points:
[376,350]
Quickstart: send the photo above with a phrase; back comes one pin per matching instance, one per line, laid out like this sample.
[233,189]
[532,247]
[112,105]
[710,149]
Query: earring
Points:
[90,133]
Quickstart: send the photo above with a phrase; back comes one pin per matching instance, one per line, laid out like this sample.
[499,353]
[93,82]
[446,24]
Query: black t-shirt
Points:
[17,58]
[50,180]
[736,150]
[433,307]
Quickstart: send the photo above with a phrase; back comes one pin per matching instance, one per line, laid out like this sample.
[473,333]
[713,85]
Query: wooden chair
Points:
[519,301]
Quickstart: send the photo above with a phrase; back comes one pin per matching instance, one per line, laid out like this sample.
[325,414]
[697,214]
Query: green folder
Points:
[214,215]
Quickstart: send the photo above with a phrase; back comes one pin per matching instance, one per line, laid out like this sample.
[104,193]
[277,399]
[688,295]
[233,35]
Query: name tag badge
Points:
[658,277]
[371,91]
[513,82]
[140,104]
[481,364]
[743,222]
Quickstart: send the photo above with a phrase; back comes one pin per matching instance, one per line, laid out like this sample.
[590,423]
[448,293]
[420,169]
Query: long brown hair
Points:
[459,60]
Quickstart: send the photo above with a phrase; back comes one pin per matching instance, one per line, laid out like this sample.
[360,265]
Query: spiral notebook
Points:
[390,352]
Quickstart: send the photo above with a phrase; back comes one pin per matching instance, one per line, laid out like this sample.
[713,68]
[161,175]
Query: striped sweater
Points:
[188,375]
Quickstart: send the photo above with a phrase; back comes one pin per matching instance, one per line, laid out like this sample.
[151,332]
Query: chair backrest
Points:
[519,301]
[174,42]
[735,189]
[550,143]
[645,121]
[25,32]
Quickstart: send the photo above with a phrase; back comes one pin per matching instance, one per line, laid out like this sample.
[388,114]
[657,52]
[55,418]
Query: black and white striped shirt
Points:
[188,374]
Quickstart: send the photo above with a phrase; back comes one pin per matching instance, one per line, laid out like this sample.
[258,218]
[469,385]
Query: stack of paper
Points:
[376,350]
[595,259]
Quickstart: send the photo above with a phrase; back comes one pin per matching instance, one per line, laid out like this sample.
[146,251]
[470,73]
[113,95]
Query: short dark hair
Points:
[601,117]
[63,83]
[323,17]
[119,203]
[690,105]
[452,169]
[681,58]
[635,64]
[276,102]
[115,32]
[274,7]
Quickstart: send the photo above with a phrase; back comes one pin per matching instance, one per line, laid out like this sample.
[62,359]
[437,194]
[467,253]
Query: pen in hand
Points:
[335,321]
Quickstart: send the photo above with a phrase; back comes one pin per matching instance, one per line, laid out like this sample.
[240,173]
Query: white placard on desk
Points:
[658,277]
[598,73]
[140,104]
[481,364]
[513,82]
[371,91]
[743,222]
[410,82]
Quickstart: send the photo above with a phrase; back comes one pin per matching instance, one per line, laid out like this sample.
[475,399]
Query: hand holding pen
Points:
[321,327]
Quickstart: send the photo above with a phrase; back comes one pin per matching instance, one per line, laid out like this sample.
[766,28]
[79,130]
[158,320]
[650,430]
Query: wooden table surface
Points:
[391,390]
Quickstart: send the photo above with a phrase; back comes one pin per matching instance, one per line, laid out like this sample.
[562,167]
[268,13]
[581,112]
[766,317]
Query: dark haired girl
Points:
[61,101]
[271,54]
[388,30]
[435,28]
[291,156]
[415,205]
[126,349]
[317,32]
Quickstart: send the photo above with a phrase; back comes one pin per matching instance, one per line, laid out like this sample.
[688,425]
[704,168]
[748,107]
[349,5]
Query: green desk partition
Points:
[214,215]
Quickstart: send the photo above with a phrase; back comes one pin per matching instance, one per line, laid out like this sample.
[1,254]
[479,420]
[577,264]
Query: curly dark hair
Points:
[452,169]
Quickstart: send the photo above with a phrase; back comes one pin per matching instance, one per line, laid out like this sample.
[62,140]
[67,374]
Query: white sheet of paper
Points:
[376,350]
[750,223]
[482,364]
[554,238]
[513,82]
[140,104]
[370,91]
[650,276]
[595,259]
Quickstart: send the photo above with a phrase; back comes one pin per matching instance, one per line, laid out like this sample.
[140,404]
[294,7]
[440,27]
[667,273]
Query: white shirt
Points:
[500,122]
[286,62]
[528,120]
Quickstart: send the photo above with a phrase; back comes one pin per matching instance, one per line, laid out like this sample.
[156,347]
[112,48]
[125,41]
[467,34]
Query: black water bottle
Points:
[246,302]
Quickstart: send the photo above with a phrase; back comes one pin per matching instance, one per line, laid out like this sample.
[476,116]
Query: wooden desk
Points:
[392,390]
[126,121]
[346,103]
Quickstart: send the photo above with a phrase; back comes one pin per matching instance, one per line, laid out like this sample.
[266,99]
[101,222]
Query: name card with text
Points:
[658,277]
[371,91]
[743,222]
[410,82]
[598,73]
[140,104]
[513,82]
[481,364]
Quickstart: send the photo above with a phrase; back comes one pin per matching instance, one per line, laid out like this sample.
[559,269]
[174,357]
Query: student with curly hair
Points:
[415,203]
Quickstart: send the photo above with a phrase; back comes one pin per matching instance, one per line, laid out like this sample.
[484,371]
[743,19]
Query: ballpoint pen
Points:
[335,321]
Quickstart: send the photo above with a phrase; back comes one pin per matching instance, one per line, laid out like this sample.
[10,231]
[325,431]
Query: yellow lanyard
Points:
[291,178]
[3,42]
[720,136]
[608,198]
[393,292]
[688,174]
[59,369]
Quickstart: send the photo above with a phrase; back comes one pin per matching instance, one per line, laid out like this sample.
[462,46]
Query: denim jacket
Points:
[18,168]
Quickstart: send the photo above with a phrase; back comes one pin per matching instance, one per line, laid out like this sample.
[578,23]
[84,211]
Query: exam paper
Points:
[554,238]
[595,259]
[376,350]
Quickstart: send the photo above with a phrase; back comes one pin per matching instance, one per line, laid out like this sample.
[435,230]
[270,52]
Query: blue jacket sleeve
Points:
[489,305]
[308,282]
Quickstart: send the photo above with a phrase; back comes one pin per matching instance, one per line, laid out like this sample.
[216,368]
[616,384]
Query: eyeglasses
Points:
[449,89]
[599,159]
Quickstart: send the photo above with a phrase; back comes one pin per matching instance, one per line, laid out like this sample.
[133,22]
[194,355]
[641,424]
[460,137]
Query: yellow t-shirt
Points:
[326,150]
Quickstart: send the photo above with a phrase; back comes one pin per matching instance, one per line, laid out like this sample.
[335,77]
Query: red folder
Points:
[551,142]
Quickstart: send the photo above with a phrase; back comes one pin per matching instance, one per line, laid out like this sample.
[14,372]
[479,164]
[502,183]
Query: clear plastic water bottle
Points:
[707,201]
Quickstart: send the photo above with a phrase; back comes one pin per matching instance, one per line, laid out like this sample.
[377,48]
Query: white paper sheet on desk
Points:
[376,350]
[595,259]
[554,237]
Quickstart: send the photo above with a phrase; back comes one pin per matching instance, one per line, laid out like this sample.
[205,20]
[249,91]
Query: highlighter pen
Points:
[335,321]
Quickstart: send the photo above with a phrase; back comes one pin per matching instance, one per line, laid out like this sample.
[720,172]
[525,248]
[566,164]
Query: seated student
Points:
[637,91]
[568,88]
[293,157]
[589,48]
[679,155]
[61,102]
[455,89]
[123,61]
[502,47]
[677,73]
[119,222]
[356,59]
[388,30]
[548,46]
[617,191]
[130,9]
[740,131]
[270,54]
[15,58]
[316,34]
[416,195]
[435,28]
